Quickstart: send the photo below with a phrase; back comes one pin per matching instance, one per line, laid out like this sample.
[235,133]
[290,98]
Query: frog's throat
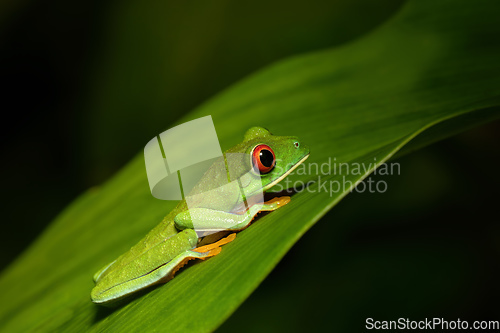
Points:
[285,174]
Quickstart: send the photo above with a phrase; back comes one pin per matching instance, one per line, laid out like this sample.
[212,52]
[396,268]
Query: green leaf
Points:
[429,72]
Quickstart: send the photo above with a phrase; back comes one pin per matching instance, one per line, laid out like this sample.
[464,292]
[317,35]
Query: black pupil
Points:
[266,158]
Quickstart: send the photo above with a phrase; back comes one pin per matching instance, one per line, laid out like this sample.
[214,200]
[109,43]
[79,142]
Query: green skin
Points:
[155,258]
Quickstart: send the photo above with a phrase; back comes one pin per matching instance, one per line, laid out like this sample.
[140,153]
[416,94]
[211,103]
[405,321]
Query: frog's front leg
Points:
[212,220]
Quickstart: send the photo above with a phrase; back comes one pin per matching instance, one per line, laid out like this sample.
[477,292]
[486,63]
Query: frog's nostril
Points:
[296,144]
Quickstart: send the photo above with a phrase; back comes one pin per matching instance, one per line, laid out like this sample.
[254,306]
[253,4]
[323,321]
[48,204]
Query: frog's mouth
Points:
[283,176]
[257,198]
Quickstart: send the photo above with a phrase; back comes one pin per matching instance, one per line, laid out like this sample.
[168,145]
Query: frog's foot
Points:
[275,203]
[215,246]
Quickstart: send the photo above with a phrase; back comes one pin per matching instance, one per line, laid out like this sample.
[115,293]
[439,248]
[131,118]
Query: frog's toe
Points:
[275,203]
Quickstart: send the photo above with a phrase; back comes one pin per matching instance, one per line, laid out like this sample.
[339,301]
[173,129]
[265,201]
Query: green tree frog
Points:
[223,201]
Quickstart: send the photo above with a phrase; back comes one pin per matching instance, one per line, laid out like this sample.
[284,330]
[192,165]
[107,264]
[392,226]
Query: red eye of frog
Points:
[263,158]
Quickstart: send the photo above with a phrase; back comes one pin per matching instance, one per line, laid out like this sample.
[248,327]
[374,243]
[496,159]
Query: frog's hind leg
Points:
[182,259]
[202,253]
[100,272]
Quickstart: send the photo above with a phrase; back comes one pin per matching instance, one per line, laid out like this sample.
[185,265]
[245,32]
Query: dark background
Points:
[84,85]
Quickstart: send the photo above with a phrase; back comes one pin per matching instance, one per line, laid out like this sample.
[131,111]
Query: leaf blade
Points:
[357,103]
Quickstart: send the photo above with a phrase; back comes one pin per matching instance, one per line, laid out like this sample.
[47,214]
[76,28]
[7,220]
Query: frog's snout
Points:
[303,149]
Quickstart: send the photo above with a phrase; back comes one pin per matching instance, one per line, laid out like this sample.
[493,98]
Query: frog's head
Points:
[269,157]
